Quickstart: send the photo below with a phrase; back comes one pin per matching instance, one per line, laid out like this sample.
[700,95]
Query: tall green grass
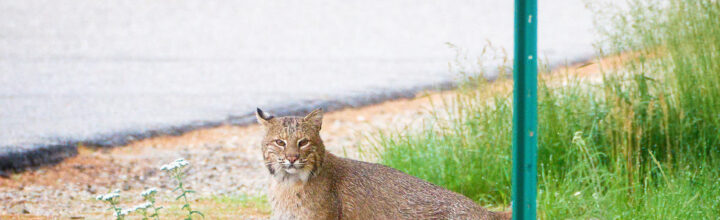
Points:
[644,143]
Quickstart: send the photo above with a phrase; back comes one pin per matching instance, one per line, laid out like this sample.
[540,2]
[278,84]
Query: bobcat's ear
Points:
[262,117]
[314,118]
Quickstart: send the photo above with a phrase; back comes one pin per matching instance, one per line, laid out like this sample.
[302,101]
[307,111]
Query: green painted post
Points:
[524,180]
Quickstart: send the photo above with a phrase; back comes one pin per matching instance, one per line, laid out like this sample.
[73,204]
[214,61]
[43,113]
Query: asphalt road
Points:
[94,70]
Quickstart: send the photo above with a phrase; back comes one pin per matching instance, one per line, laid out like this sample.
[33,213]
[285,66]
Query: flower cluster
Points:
[148,210]
[179,163]
[149,192]
[112,199]
[175,170]
[110,196]
[142,206]
[123,213]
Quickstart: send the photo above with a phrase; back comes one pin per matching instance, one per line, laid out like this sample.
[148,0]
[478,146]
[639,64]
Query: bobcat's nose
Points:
[292,158]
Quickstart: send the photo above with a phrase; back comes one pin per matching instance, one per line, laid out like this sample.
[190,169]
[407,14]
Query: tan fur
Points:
[331,187]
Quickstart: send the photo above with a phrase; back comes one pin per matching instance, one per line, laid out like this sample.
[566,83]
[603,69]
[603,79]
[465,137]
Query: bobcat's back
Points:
[374,191]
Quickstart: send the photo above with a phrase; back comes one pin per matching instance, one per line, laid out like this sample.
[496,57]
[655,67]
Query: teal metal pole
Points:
[524,180]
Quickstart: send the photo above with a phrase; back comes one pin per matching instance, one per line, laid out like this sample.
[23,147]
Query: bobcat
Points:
[310,183]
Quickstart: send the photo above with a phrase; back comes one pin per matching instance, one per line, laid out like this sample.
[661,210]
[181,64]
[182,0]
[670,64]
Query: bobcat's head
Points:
[292,148]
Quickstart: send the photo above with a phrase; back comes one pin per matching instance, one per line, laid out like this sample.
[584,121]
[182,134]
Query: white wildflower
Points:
[179,163]
[111,196]
[108,197]
[123,212]
[143,206]
[577,193]
[149,192]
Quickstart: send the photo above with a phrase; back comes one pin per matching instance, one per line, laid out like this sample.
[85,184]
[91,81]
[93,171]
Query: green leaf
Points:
[197,212]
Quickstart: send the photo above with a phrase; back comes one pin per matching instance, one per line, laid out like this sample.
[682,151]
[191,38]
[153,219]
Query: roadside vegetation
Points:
[148,209]
[642,141]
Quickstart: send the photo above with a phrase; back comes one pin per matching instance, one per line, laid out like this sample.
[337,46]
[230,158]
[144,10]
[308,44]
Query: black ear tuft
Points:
[262,117]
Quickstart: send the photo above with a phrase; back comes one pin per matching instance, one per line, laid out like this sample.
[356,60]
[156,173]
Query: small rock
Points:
[150,172]
[79,167]
[90,189]
[19,209]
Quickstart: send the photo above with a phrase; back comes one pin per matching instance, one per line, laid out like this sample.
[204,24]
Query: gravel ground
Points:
[224,160]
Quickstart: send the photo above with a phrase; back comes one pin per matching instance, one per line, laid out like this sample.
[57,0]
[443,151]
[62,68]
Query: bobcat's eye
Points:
[280,143]
[303,142]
